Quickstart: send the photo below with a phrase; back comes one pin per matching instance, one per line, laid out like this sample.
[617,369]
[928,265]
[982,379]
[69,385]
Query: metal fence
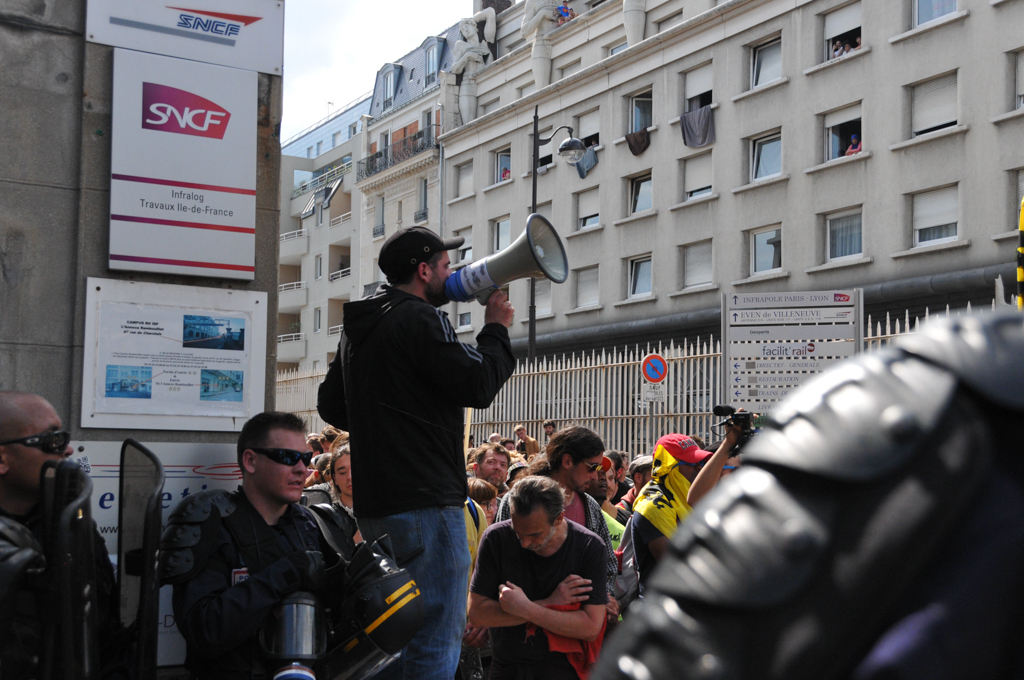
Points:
[601,390]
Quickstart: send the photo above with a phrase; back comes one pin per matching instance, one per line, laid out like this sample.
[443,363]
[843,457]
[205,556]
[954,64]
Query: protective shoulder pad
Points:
[820,428]
[983,350]
[191,531]
[20,553]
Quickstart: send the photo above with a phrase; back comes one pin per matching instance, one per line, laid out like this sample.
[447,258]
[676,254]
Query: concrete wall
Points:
[55,137]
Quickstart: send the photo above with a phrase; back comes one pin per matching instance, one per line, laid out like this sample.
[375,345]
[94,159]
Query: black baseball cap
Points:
[402,253]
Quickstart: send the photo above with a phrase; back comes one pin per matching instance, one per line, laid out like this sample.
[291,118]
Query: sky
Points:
[334,48]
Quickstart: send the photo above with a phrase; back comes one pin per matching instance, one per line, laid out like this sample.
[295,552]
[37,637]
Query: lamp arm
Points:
[554,132]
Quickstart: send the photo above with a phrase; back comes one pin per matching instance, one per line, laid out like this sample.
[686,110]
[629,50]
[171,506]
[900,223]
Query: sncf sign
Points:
[169,109]
[840,297]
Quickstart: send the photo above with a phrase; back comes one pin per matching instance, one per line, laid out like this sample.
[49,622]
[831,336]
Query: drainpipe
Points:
[440,176]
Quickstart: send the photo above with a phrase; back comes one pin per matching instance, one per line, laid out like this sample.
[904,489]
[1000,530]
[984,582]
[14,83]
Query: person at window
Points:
[847,47]
[505,174]
[857,46]
[837,49]
[855,146]
[564,13]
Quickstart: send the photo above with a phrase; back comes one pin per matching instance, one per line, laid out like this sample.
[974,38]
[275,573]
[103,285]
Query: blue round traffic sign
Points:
[654,368]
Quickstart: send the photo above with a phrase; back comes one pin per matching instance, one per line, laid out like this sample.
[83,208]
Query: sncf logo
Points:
[218,23]
[169,109]
[839,297]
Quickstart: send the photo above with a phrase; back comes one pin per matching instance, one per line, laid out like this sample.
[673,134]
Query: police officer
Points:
[257,546]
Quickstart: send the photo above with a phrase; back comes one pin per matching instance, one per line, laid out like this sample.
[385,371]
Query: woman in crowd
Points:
[486,496]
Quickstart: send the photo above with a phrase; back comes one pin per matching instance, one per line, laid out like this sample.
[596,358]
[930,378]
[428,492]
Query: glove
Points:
[310,565]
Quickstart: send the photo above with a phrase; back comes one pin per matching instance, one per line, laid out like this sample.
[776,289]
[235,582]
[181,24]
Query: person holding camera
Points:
[723,462]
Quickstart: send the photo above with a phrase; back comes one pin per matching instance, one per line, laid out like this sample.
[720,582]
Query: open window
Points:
[935,216]
[545,151]
[640,284]
[765,250]
[929,10]
[697,88]
[589,128]
[588,209]
[767,63]
[502,233]
[766,157]
[697,176]
[842,31]
[503,165]
[641,109]
[842,133]
[640,196]
[465,252]
[934,104]
[844,234]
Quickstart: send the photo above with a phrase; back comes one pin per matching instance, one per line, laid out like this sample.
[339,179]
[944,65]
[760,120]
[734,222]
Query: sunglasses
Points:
[47,442]
[593,467]
[286,456]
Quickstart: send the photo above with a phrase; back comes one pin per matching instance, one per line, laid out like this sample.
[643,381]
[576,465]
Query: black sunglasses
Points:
[47,442]
[286,456]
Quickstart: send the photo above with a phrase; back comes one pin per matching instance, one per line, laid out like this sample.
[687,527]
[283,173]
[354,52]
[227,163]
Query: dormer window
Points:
[432,48]
[389,89]
[431,64]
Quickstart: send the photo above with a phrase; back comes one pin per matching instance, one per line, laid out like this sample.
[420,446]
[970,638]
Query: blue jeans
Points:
[431,544]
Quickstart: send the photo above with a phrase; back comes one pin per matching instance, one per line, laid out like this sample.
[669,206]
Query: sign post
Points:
[774,342]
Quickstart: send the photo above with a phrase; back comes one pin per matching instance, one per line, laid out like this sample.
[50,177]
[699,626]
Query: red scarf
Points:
[582,654]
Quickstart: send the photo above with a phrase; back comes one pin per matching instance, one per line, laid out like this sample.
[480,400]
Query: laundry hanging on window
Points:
[698,127]
[587,163]
[638,141]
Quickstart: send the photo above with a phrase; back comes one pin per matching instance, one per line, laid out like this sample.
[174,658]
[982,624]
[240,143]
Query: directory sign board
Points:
[774,342]
[183,167]
[166,357]
[245,34]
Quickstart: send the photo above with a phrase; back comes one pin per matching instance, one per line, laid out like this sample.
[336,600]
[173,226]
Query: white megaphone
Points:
[538,252]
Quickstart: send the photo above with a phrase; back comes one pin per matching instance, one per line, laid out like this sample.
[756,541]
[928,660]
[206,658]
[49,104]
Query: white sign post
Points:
[183,167]
[774,342]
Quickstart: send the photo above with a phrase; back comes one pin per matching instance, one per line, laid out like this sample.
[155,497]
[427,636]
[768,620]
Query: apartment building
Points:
[872,143]
[319,232]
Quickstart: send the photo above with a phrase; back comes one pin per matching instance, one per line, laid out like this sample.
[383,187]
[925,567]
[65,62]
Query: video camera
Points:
[747,422]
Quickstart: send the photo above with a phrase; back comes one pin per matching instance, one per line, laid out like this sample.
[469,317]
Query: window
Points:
[385,141]
[431,63]
[640,194]
[617,48]
[389,89]
[502,165]
[502,233]
[526,89]
[640,277]
[842,31]
[844,234]
[588,128]
[765,250]
[641,112]
[399,211]
[422,201]
[320,215]
[465,251]
[544,153]
[379,211]
[697,88]
[767,161]
[1020,81]
[487,107]
[352,129]
[335,139]
[427,122]
[464,179]
[318,267]
[309,152]
[935,216]
[319,148]
[465,319]
[316,320]
[929,10]
[669,22]
[588,209]
[934,105]
[697,176]
[842,133]
[542,296]
[697,264]
[767,63]
[569,69]
[586,287]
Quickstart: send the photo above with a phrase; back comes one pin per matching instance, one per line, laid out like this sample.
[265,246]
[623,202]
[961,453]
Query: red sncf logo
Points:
[839,297]
[169,109]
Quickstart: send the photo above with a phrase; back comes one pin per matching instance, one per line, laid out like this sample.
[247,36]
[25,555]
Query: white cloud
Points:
[333,49]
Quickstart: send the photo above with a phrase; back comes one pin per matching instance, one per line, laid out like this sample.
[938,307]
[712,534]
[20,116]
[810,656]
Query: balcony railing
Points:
[420,216]
[323,180]
[342,219]
[340,274]
[378,231]
[335,330]
[371,288]
[291,337]
[298,285]
[292,235]
[401,150]
[429,78]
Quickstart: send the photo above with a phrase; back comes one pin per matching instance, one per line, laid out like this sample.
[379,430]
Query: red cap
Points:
[683,448]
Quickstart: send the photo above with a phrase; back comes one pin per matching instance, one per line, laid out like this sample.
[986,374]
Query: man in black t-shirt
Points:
[526,566]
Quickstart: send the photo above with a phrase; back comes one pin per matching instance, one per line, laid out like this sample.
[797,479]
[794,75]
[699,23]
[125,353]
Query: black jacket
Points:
[398,385]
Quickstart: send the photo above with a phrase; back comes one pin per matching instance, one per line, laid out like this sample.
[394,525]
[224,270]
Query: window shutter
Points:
[698,81]
[589,203]
[569,69]
[586,287]
[842,116]
[544,210]
[842,20]
[1020,73]
[465,179]
[934,208]
[467,236]
[545,149]
[542,296]
[590,124]
[697,173]
[697,264]
[934,103]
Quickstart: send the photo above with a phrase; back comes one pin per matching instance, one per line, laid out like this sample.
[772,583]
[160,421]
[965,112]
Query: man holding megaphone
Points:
[398,384]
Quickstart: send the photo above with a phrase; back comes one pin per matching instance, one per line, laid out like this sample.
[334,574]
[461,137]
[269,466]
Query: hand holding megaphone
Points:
[537,253]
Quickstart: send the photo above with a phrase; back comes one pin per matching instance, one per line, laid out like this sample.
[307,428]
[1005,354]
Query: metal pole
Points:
[531,347]
[1020,241]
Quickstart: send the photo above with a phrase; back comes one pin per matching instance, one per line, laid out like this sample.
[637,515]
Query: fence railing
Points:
[401,150]
[601,390]
[341,219]
[284,287]
[288,236]
[336,330]
[320,181]
[341,273]
[291,337]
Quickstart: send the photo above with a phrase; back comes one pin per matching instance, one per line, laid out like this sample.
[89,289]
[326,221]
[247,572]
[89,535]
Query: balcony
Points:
[323,180]
[378,231]
[340,274]
[294,245]
[420,216]
[291,347]
[371,288]
[429,78]
[401,150]
[291,297]
[336,330]
[341,219]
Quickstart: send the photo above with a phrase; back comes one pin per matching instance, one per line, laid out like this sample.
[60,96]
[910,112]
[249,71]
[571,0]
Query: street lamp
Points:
[571,150]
